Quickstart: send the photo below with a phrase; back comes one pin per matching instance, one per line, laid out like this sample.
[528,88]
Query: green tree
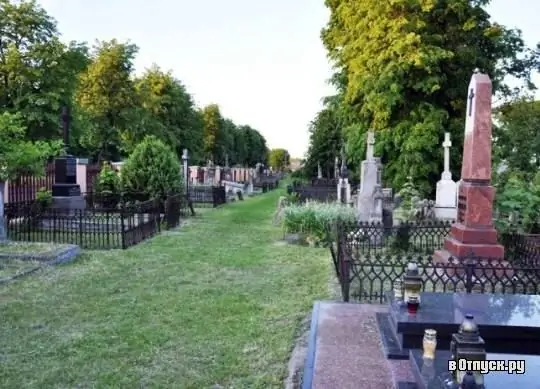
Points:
[170,112]
[279,159]
[516,145]
[20,156]
[38,73]
[108,100]
[256,149]
[325,141]
[407,65]
[212,131]
[152,169]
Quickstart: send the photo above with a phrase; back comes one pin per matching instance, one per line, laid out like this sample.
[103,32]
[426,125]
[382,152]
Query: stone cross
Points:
[370,145]
[447,144]
[336,167]
[319,170]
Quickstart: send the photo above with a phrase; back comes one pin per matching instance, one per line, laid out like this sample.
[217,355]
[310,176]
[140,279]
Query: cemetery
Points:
[149,241]
[443,286]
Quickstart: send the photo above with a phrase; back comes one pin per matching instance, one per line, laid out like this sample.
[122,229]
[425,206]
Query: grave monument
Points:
[446,195]
[66,193]
[369,180]
[344,188]
[319,171]
[473,233]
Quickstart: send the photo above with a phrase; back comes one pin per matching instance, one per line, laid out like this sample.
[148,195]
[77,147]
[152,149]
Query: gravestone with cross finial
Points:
[66,193]
[474,234]
[445,198]
[344,187]
[370,171]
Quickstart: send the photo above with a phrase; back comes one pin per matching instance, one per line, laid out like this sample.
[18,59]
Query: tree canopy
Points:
[402,69]
[113,108]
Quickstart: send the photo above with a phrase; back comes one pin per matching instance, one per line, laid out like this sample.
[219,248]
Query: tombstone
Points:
[336,168]
[66,193]
[474,234]
[343,187]
[185,169]
[445,199]
[369,179]
[319,171]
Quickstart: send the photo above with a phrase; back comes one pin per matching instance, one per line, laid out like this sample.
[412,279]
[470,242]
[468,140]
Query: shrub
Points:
[518,205]
[152,169]
[107,180]
[313,220]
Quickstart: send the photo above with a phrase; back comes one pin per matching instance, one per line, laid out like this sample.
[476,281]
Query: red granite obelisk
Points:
[473,233]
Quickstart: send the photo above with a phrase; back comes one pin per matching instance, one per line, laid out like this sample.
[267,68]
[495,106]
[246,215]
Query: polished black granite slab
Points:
[391,340]
[435,375]
[509,323]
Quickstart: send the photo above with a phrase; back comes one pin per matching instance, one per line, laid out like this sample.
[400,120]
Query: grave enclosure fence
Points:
[368,258]
[108,222]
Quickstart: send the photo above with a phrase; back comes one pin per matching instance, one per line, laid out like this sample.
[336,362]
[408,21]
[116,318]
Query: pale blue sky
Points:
[261,61]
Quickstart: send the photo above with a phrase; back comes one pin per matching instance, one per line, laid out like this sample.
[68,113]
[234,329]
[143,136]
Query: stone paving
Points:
[349,351]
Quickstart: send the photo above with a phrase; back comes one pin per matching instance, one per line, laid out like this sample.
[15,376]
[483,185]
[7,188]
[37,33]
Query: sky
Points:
[262,61]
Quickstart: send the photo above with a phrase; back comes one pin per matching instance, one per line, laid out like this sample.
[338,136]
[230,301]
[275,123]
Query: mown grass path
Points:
[218,301]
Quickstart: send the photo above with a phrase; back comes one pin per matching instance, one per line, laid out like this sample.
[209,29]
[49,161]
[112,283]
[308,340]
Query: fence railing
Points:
[202,196]
[368,257]
[96,227]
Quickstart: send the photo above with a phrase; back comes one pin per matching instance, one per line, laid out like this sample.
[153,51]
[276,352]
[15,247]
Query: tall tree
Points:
[212,131]
[279,159]
[407,65]
[108,99]
[170,113]
[325,141]
[517,137]
[38,73]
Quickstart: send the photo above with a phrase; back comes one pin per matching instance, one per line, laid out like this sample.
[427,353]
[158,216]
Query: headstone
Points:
[474,234]
[445,199]
[505,319]
[369,177]
[66,192]
[319,171]
[344,188]
[336,168]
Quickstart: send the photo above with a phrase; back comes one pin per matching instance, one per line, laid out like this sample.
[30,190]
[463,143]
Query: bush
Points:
[107,180]
[152,169]
[313,220]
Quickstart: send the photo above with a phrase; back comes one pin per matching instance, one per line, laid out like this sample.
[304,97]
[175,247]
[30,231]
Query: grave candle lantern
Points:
[468,344]
[412,283]
[429,343]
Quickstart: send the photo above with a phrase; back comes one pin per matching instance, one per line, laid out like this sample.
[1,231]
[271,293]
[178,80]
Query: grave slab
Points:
[509,323]
[434,374]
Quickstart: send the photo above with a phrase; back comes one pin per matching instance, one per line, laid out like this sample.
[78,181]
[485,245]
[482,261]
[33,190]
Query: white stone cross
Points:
[370,144]
[447,144]
[319,171]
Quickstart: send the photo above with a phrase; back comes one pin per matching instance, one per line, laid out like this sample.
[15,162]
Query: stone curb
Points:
[52,258]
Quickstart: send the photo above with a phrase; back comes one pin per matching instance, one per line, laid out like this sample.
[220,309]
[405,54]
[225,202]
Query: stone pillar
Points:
[474,234]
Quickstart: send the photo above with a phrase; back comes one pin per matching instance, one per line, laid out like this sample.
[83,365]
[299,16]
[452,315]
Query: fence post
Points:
[122,228]
[469,274]
[344,266]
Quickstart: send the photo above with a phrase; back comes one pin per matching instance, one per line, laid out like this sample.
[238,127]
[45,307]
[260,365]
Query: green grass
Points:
[218,301]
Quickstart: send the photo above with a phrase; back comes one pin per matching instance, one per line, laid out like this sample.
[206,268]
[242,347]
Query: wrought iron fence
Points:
[96,227]
[368,257]
[202,196]
[368,279]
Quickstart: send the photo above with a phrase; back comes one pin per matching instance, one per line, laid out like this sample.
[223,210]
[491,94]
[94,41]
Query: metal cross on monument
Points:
[66,120]
[471,97]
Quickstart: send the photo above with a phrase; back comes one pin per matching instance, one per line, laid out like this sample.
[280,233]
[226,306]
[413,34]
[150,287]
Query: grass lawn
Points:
[218,301]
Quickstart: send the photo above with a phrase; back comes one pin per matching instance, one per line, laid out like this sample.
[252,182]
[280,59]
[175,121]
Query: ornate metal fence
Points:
[368,258]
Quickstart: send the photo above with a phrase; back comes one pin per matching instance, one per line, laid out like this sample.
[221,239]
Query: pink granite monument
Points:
[473,233]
